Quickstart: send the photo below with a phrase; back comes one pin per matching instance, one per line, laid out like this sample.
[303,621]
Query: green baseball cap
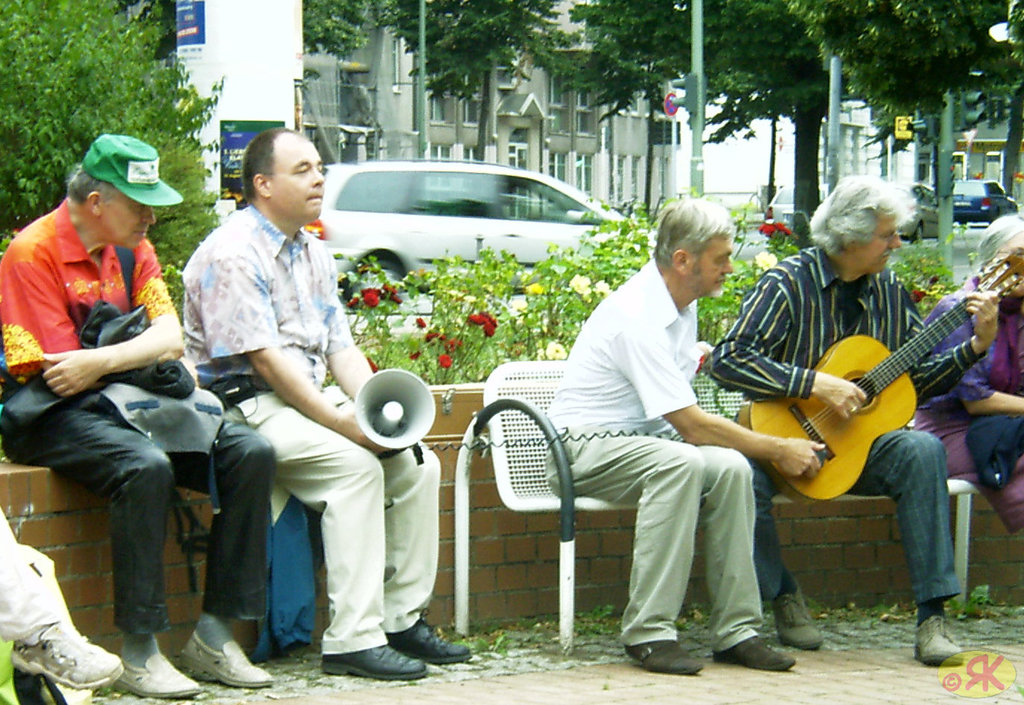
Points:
[132,166]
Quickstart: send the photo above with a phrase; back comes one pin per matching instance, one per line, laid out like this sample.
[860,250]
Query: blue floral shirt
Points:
[249,287]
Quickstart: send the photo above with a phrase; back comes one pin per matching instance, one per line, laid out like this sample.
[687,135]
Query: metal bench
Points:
[516,397]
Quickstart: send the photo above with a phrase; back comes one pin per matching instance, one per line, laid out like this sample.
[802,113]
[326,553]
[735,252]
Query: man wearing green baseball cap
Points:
[132,166]
[84,418]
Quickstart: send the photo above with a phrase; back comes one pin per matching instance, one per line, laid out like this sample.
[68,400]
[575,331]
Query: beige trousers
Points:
[377,515]
[675,485]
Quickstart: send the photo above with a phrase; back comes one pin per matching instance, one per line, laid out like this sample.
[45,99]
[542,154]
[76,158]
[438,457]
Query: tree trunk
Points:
[483,131]
[649,166]
[806,191]
[771,163]
[1014,134]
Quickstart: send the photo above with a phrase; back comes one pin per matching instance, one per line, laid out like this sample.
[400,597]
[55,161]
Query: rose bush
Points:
[457,322]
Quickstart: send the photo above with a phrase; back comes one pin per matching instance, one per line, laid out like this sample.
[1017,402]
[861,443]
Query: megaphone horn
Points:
[395,409]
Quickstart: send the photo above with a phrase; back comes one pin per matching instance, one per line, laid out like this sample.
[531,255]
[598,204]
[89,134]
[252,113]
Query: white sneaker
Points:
[230,666]
[68,658]
[158,679]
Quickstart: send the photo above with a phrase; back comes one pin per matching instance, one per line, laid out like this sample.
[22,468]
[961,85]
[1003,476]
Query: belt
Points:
[234,389]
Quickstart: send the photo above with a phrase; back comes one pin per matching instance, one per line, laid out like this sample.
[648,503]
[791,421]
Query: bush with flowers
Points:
[458,321]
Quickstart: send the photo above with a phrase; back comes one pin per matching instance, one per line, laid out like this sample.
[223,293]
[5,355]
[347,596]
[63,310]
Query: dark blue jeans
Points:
[85,440]
[910,468]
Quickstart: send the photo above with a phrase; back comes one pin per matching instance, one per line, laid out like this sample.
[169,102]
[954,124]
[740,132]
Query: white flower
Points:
[765,260]
[602,289]
[555,351]
[580,284]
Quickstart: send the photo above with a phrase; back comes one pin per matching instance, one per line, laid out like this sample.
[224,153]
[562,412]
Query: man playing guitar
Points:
[787,326]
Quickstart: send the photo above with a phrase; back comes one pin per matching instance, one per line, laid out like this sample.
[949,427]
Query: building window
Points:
[558,105]
[637,178]
[585,172]
[471,111]
[584,114]
[441,151]
[438,108]
[396,61]
[620,178]
[557,164]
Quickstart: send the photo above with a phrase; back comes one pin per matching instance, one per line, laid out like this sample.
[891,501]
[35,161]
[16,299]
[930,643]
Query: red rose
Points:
[371,297]
[353,302]
[444,361]
[917,295]
[420,323]
[453,344]
[415,355]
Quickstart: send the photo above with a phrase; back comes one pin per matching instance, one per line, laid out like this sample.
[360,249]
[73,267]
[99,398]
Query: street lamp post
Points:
[697,118]
[421,86]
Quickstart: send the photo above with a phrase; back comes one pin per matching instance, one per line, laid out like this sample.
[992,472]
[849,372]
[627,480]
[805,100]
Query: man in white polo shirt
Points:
[633,432]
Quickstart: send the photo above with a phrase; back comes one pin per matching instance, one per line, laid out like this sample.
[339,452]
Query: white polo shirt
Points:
[633,362]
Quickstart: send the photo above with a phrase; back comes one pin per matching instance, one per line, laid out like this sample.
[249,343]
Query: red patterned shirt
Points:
[48,284]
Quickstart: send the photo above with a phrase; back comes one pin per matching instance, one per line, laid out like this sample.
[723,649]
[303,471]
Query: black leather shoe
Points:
[380,662]
[422,642]
[753,653]
[664,657]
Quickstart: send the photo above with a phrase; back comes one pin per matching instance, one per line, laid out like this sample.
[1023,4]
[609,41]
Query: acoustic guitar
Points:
[885,379]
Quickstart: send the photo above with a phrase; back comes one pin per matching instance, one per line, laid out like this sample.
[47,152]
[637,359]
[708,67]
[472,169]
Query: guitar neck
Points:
[914,350]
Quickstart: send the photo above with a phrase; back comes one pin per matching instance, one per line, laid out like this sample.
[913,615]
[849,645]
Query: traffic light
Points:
[973,104]
[924,128]
[687,84]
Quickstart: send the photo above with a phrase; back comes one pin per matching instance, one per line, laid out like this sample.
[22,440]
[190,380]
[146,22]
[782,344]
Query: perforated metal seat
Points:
[516,398]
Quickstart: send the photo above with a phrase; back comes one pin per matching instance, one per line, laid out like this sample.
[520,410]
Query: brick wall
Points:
[841,552]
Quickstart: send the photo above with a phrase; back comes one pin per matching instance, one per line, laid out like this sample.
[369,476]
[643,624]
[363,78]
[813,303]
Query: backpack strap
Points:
[127,259]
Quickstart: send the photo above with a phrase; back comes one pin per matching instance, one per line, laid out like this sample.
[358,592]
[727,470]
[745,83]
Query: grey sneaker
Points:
[933,645]
[794,623]
[68,658]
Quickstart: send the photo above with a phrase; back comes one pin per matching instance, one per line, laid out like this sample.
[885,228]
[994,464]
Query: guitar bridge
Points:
[811,432]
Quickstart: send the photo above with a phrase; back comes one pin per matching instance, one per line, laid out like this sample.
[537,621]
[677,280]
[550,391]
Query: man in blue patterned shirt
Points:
[264,324]
[797,311]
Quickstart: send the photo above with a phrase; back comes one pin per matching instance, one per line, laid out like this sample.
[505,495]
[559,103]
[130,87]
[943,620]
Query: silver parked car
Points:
[408,213]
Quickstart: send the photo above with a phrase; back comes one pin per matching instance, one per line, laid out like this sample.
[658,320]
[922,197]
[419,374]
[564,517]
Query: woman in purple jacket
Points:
[981,420]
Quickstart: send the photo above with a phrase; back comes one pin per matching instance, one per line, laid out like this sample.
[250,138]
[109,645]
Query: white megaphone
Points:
[395,409]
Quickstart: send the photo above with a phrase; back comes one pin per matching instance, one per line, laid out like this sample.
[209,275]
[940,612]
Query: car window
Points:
[969,188]
[995,188]
[453,193]
[525,199]
[375,192]
[924,195]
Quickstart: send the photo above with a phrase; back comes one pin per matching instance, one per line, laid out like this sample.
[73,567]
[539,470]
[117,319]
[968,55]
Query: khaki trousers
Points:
[377,515]
[675,485]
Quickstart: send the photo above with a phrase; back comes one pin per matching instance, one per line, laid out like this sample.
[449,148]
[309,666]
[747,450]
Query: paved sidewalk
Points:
[864,661]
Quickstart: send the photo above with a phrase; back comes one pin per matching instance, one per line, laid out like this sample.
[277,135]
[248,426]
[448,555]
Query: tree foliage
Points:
[74,71]
[330,26]
[632,49]
[467,41]
[905,55]
[334,26]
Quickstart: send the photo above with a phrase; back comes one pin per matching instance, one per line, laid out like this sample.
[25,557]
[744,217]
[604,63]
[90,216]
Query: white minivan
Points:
[408,213]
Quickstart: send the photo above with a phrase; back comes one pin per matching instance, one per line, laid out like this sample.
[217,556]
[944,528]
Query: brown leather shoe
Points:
[664,657]
[753,653]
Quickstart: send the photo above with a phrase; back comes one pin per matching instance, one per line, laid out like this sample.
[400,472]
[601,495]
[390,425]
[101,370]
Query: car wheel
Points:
[918,231]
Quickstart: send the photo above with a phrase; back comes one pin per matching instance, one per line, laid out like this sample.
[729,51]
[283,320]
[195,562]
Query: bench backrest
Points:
[518,448]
